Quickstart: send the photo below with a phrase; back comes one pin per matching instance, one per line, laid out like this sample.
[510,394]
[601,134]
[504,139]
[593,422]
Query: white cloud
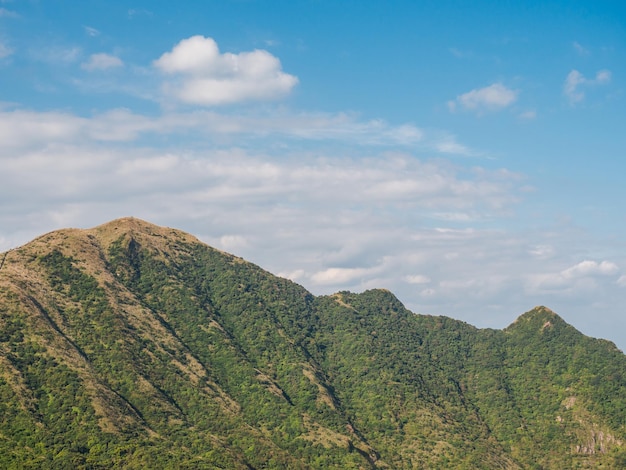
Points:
[417,279]
[581,50]
[431,187]
[491,98]
[448,144]
[293,275]
[541,251]
[101,61]
[93,32]
[590,268]
[135,12]
[431,231]
[28,128]
[20,127]
[233,242]
[572,82]
[339,276]
[64,55]
[575,81]
[328,221]
[208,77]
[57,54]
[573,280]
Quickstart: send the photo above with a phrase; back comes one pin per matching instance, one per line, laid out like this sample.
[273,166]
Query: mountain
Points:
[135,346]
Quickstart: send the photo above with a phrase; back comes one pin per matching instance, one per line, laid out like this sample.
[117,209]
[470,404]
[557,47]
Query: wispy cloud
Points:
[137,12]
[57,55]
[24,128]
[448,144]
[207,77]
[460,54]
[5,51]
[528,115]
[431,230]
[332,221]
[417,279]
[93,32]
[572,280]
[4,13]
[494,97]
[331,200]
[581,50]
[101,62]
[339,276]
[575,83]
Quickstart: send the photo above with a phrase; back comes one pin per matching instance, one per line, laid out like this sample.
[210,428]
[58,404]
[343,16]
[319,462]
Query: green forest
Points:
[136,346]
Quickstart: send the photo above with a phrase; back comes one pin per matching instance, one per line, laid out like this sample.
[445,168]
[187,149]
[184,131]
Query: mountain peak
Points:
[128,223]
[539,318]
[133,226]
[132,229]
[90,245]
[538,311]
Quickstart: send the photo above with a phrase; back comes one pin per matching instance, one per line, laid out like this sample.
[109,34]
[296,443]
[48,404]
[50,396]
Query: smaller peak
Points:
[538,311]
[380,293]
[541,310]
[380,290]
[542,316]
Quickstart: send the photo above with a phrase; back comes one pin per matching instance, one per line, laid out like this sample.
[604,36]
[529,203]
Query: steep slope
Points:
[132,345]
[538,393]
[382,364]
[172,350]
[569,390]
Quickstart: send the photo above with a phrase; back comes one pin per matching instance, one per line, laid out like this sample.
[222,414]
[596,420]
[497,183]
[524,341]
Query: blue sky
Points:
[468,156]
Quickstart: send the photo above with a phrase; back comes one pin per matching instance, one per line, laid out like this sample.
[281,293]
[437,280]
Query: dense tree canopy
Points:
[135,346]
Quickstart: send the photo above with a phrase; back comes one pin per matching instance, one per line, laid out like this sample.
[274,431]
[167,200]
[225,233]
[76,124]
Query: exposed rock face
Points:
[598,441]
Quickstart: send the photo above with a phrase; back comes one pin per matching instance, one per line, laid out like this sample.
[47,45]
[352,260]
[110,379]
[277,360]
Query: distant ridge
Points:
[130,345]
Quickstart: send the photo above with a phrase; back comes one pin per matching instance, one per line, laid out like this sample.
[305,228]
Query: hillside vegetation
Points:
[136,346]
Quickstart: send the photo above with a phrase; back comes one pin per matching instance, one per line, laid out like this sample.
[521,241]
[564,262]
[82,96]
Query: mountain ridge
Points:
[173,353]
[133,226]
